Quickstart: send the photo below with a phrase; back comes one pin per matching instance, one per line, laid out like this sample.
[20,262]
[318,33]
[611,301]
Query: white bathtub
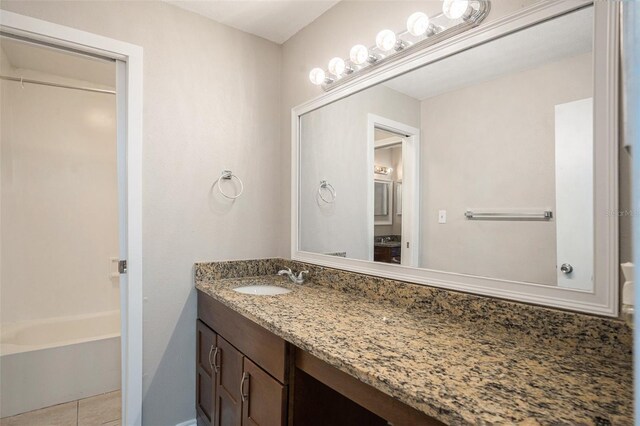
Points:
[48,362]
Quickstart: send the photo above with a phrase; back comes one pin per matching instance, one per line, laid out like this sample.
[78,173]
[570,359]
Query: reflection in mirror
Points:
[505,179]
[381,203]
[387,172]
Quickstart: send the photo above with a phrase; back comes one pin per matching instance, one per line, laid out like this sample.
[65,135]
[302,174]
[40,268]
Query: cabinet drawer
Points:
[263,347]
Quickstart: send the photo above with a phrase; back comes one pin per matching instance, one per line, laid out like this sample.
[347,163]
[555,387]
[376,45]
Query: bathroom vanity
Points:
[509,158]
[248,375]
[388,249]
[345,348]
[242,369]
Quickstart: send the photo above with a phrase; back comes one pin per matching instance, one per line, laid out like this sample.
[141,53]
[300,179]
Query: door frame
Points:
[130,138]
[410,185]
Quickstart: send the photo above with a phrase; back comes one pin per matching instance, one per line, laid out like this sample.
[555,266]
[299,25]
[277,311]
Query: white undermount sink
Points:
[262,290]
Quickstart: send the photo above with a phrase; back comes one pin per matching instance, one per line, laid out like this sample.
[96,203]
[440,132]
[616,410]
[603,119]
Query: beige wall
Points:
[209,93]
[59,223]
[335,149]
[504,159]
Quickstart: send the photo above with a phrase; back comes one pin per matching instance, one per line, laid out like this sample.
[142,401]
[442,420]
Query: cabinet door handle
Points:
[245,378]
[213,350]
[216,360]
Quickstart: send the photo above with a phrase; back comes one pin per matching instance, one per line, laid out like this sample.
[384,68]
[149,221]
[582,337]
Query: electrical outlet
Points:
[442,216]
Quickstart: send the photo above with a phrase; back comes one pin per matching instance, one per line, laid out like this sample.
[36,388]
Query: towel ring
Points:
[326,185]
[228,175]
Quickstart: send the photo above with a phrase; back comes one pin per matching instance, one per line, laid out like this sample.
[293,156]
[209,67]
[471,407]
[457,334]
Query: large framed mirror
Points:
[500,146]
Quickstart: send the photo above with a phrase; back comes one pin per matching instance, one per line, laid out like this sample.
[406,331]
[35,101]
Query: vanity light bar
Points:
[457,16]
[382,170]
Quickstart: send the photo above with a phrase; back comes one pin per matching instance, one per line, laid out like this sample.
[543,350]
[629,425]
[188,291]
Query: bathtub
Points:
[48,362]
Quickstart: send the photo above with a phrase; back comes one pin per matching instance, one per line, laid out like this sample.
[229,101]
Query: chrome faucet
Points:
[299,279]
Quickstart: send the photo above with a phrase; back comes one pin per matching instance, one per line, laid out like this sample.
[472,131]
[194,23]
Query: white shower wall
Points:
[59,200]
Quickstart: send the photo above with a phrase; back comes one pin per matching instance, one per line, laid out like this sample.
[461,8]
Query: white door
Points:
[408,202]
[121,111]
[574,194]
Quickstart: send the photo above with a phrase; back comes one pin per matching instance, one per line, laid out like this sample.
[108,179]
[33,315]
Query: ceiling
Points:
[381,134]
[33,57]
[275,20]
[385,138]
[553,40]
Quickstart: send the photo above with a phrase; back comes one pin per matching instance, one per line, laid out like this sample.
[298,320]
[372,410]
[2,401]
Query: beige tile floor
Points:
[101,410]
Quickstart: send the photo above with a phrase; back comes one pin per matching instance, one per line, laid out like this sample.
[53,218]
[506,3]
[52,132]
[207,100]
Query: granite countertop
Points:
[388,244]
[453,369]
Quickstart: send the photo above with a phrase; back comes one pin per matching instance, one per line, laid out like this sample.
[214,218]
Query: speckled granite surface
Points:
[459,358]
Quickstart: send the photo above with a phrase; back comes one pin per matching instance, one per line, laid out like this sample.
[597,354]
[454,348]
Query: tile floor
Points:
[101,410]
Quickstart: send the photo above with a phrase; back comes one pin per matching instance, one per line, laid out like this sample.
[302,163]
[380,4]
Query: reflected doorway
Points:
[394,152]
[387,195]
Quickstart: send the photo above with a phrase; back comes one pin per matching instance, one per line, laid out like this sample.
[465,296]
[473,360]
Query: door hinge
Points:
[407,244]
[122,266]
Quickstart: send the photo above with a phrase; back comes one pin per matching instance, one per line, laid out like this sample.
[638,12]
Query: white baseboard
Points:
[191,422]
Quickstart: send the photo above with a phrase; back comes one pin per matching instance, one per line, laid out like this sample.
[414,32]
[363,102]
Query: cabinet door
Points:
[264,398]
[228,402]
[205,374]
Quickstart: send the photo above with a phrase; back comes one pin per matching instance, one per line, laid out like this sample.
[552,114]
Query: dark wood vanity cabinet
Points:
[205,375]
[266,398]
[231,390]
[241,376]
[387,254]
[206,342]
[248,376]
[228,410]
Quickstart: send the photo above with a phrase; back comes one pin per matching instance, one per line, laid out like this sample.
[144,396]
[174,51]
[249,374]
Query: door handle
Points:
[216,360]
[566,268]
[213,364]
[245,378]
[210,351]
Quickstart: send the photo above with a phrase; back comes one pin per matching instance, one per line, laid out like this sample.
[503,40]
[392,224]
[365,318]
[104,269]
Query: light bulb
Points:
[386,40]
[418,23]
[336,66]
[317,76]
[359,54]
[455,9]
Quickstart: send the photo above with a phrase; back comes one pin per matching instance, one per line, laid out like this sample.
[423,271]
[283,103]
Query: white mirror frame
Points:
[603,298]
